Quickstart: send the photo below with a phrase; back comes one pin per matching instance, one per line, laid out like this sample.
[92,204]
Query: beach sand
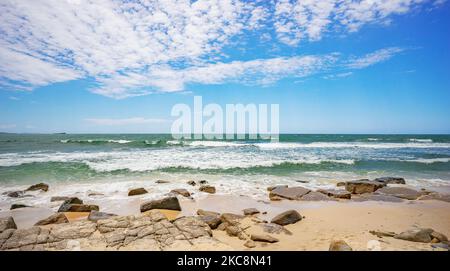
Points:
[323,221]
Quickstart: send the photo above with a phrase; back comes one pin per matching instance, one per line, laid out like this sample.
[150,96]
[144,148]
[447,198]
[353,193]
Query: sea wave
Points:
[426,140]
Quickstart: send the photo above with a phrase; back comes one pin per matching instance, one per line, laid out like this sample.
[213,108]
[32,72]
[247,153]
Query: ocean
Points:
[112,163]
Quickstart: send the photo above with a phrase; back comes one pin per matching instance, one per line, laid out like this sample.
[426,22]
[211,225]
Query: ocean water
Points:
[112,163]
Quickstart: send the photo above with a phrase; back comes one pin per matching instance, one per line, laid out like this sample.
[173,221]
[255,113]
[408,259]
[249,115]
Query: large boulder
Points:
[39,186]
[400,192]
[96,216]
[137,191]
[169,203]
[416,235]
[57,218]
[339,245]
[288,217]
[208,189]
[7,223]
[390,180]
[362,186]
[291,193]
[339,194]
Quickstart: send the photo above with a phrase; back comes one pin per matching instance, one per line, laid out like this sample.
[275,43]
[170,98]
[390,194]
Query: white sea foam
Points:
[421,140]
[327,145]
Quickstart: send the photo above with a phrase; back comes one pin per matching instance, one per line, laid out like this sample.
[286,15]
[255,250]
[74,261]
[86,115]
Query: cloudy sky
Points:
[334,66]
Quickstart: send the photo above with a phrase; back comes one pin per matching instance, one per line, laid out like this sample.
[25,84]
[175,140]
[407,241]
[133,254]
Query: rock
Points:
[339,184]
[416,235]
[67,207]
[300,181]
[192,227]
[375,197]
[168,203]
[362,186]
[74,230]
[208,189]
[161,181]
[390,180]
[96,216]
[374,245]
[339,194]
[191,183]
[274,228]
[316,196]
[382,234]
[400,192]
[53,199]
[73,200]
[439,236]
[288,217]
[250,211]
[182,192]
[435,196]
[94,194]
[39,186]
[17,206]
[213,221]
[137,191]
[275,198]
[263,238]
[250,244]
[15,194]
[57,218]
[339,245]
[203,182]
[292,193]
[230,218]
[207,213]
[270,188]
[7,223]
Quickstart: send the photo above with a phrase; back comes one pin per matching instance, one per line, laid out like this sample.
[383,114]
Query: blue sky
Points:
[333,66]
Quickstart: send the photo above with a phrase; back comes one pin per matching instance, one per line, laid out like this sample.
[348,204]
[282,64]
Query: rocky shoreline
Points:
[160,226]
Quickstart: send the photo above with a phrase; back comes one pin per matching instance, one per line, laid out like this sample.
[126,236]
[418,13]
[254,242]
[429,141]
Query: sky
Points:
[333,66]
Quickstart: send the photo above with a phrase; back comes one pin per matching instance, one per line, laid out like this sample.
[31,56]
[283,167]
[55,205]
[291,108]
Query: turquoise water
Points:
[26,158]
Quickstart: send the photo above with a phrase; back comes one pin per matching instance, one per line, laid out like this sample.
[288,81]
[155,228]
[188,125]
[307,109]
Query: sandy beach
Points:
[322,221]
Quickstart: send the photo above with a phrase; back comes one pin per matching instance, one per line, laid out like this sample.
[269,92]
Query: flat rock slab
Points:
[390,180]
[263,238]
[291,193]
[149,231]
[363,186]
[435,196]
[376,197]
[57,218]
[339,194]
[400,192]
[416,235]
[316,196]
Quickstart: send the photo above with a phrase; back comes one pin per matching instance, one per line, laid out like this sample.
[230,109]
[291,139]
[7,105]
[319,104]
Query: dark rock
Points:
[213,221]
[375,197]
[67,207]
[390,180]
[7,223]
[250,211]
[191,183]
[400,192]
[161,181]
[292,193]
[300,181]
[416,235]
[270,188]
[316,196]
[339,194]
[339,245]
[53,199]
[39,186]
[288,217]
[18,206]
[169,203]
[96,216]
[340,184]
[137,191]
[207,213]
[203,182]
[263,238]
[57,218]
[208,189]
[93,194]
[182,192]
[362,186]
[15,194]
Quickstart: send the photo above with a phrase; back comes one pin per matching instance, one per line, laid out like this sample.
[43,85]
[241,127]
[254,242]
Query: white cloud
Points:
[309,19]
[132,48]
[14,98]
[338,75]
[123,122]
[373,58]
[7,126]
